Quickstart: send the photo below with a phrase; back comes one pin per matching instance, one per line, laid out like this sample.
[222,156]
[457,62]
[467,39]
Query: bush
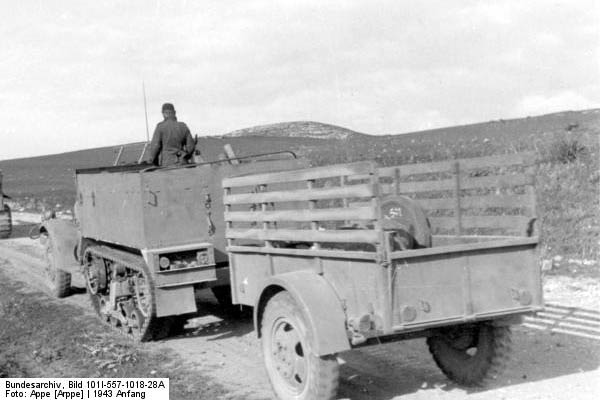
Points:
[566,151]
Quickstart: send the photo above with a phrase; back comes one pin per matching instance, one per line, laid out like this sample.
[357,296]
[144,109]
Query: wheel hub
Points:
[288,355]
[462,339]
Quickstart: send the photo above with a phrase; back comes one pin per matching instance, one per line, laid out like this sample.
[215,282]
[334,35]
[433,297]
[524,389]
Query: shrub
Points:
[566,151]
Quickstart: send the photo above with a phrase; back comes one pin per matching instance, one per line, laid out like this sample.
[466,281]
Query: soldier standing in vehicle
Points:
[172,142]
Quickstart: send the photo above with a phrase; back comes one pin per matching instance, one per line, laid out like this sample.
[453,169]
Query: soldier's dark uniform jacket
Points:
[171,138]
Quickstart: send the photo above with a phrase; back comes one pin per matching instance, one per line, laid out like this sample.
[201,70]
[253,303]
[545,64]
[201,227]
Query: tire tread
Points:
[5,222]
[492,365]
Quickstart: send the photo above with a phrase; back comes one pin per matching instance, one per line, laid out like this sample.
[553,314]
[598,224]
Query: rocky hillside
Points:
[306,129]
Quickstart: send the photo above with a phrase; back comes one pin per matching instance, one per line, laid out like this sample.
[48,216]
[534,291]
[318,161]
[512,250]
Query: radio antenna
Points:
[147,131]
[146,112]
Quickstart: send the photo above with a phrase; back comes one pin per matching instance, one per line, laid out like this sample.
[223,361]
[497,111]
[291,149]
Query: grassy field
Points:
[567,148]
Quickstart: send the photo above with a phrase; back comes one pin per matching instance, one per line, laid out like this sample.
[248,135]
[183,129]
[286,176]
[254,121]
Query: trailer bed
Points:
[335,229]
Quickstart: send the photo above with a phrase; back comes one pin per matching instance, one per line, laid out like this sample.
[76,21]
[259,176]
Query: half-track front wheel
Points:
[471,355]
[121,291]
[5,221]
[59,281]
[294,370]
[223,295]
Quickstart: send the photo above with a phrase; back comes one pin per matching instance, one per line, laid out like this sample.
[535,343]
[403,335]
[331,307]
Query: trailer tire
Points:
[5,221]
[452,350]
[59,280]
[294,370]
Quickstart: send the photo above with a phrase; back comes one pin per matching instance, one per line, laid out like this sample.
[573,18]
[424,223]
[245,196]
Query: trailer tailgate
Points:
[464,282]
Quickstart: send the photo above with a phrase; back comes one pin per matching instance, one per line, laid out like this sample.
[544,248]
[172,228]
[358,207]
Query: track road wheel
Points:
[132,313]
[59,280]
[294,370]
[5,221]
[473,355]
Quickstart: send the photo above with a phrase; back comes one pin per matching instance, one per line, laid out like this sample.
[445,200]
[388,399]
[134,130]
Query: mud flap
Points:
[175,301]
[320,304]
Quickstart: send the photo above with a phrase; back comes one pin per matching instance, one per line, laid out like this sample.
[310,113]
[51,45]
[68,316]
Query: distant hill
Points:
[306,129]
[560,121]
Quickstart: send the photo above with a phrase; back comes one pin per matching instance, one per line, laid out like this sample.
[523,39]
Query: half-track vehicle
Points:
[330,258]
[5,214]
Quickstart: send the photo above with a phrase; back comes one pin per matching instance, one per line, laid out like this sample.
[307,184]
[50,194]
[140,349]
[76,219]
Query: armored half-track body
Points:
[146,238]
[330,258]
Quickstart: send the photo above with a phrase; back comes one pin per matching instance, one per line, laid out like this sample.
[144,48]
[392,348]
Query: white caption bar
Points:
[84,388]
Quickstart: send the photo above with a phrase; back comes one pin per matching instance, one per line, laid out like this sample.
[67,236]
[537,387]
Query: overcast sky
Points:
[71,71]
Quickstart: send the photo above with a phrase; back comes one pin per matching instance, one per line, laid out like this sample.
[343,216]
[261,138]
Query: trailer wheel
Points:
[294,370]
[5,221]
[471,356]
[59,280]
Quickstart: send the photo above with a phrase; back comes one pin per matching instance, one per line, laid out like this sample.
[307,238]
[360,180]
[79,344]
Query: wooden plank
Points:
[298,235]
[230,154]
[414,169]
[312,204]
[497,181]
[420,186]
[363,190]
[470,202]
[304,174]
[456,195]
[516,223]
[361,255]
[359,177]
[515,242]
[448,240]
[510,201]
[359,204]
[502,181]
[502,160]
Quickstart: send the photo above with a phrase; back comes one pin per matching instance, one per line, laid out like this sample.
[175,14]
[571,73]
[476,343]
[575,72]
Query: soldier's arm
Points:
[189,142]
[155,146]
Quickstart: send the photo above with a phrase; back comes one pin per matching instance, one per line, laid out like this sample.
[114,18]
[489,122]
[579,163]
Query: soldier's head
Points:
[168,110]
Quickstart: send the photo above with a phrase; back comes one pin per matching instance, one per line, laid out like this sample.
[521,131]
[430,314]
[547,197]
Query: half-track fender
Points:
[319,302]
[64,236]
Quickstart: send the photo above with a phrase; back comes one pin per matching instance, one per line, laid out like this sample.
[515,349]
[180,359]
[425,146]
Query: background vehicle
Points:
[5,214]
[331,258]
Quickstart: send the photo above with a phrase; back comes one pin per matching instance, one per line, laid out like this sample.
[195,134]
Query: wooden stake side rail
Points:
[458,188]
[307,174]
[325,253]
[303,215]
[466,164]
[273,223]
[496,181]
[511,223]
[355,197]
[306,235]
[508,201]
[361,190]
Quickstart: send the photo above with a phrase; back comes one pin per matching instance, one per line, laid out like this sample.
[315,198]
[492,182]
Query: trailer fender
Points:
[319,302]
[64,238]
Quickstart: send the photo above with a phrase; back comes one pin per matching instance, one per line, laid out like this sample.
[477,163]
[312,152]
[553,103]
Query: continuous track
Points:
[131,307]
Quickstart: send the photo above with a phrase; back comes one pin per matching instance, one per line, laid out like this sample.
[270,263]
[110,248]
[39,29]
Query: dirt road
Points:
[556,356]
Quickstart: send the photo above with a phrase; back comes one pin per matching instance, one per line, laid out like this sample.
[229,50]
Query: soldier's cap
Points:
[168,107]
